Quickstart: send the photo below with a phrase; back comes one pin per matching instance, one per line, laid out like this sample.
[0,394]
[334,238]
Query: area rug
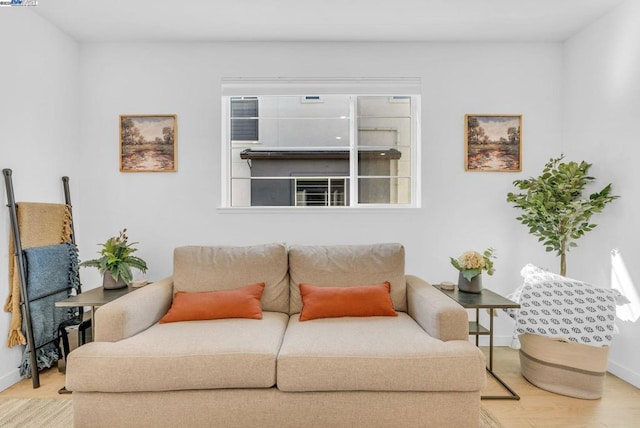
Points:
[58,413]
[36,413]
[487,420]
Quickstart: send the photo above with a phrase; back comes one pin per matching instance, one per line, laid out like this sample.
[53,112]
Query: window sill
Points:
[314,210]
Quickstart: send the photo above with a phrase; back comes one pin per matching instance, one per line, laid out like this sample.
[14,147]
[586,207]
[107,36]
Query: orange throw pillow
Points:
[211,305]
[333,302]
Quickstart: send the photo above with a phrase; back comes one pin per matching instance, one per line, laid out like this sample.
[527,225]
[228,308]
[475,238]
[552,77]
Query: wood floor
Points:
[619,406]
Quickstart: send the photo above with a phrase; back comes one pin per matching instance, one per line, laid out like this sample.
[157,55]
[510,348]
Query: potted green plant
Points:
[553,206]
[116,261]
[471,264]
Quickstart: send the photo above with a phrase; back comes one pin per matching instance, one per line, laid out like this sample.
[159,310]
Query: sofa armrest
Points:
[438,314]
[133,312]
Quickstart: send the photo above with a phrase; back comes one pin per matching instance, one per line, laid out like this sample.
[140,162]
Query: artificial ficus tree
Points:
[554,208]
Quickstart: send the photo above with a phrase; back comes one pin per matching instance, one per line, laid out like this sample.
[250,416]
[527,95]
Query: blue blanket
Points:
[52,272]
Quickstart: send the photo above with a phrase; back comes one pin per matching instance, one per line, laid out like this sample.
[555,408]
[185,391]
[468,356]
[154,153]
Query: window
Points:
[320,192]
[244,119]
[320,149]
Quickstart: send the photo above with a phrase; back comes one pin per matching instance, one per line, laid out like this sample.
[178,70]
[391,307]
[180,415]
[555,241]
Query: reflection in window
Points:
[244,119]
[320,192]
[322,150]
[621,281]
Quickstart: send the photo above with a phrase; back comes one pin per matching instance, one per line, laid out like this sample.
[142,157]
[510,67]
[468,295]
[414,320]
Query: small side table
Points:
[487,299]
[94,298]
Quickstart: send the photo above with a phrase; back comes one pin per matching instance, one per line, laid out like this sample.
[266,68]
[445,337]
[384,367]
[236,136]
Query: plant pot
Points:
[473,286]
[109,284]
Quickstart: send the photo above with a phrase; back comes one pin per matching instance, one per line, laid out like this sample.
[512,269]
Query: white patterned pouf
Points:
[563,329]
[556,306]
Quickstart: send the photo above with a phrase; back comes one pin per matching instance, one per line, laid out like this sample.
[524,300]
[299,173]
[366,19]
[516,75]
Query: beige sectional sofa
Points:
[414,370]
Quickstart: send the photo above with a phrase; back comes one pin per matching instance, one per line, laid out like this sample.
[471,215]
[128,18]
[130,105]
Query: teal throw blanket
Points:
[52,272]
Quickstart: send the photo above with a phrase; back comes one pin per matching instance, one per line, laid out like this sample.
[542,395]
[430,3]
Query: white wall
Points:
[602,107]
[39,108]
[461,210]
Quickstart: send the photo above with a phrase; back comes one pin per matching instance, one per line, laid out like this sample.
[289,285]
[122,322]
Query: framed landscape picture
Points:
[148,143]
[493,142]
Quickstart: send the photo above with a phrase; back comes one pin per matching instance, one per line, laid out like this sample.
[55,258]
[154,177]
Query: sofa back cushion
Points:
[347,266]
[197,268]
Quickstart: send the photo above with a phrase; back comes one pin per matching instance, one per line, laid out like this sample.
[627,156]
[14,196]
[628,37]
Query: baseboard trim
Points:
[624,373]
[10,379]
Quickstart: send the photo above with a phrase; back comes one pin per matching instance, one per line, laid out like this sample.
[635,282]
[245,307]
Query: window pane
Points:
[240,168]
[269,192]
[303,132]
[383,131]
[241,192]
[391,190]
[323,192]
[384,162]
[296,150]
[244,107]
[325,106]
[244,130]
[244,122]
[384,106]
[303,121]
[290,191]
[384,146]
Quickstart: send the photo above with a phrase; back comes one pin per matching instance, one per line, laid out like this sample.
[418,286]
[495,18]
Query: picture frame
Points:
[148,142]
[493,142]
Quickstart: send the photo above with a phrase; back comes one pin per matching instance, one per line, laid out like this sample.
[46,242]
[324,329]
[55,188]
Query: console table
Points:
[486,299]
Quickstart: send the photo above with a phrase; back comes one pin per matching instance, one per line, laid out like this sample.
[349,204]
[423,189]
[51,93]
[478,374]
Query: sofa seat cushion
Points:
[374,354]
[225,353]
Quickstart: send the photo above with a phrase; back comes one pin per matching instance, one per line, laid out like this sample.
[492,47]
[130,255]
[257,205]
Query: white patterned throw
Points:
[556,306]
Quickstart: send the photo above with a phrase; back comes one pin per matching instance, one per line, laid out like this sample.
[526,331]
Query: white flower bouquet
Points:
[472,263]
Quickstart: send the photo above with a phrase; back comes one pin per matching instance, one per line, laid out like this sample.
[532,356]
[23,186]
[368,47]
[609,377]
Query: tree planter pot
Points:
[109,284]
[473,286]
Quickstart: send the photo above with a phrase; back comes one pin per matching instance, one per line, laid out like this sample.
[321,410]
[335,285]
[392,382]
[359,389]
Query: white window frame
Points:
[290,86]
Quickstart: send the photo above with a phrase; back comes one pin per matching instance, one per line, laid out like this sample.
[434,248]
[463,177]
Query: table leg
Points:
[513,395]
[92,327]
[491,339]
[477,327]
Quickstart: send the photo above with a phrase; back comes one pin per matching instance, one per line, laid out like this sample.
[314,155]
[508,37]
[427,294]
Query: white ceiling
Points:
[323,20]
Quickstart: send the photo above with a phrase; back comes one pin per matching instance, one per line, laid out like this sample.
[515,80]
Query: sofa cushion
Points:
[345,266]
[333,302]
[198,269]
[374,354]
[225,353]
[241,302]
